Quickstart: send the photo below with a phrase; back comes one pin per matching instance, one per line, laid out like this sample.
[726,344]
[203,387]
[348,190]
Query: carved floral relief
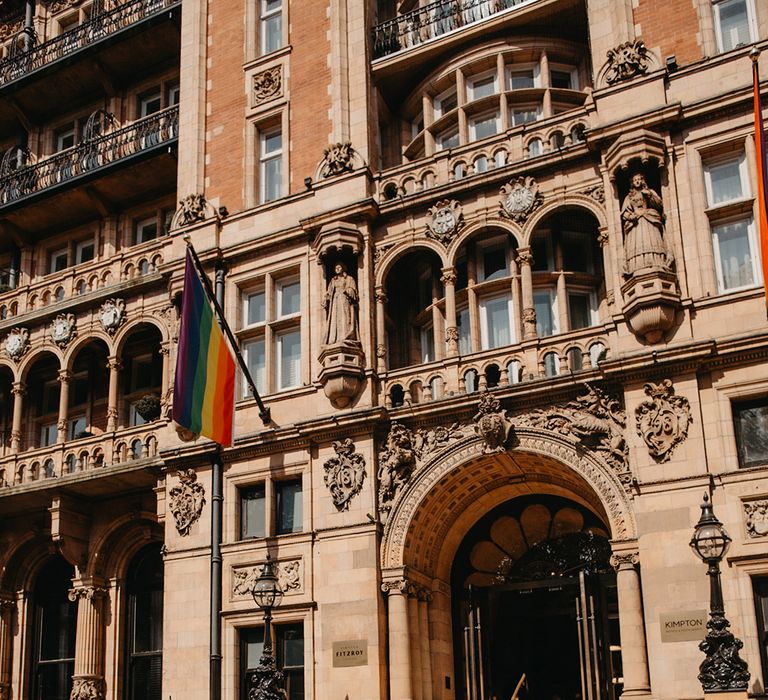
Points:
[267,84]
[756,518]
[186,501]
[344,473]
[112,315]
[16,343]
[626,61]
[663,419]
[289,576]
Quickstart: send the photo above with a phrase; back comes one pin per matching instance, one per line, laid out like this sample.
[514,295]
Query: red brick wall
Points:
[671,25]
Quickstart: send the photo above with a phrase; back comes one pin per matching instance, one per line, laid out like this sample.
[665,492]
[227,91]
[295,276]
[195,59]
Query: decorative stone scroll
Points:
[186,501]
[344,473]
[112,315]
[519,198]
[338,158]
[267,84]
[445,220]
[663,419]
[16,343]
[626,61]
[193,209]
[289,576]
[756,518]
[87,689]
[63,329]
[593,419]
[492,424]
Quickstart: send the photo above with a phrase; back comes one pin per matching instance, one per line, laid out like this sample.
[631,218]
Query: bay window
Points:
[496,321]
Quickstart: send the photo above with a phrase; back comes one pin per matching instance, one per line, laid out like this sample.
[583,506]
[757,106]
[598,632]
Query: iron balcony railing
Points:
[19,181]
[434,20]
[20,62]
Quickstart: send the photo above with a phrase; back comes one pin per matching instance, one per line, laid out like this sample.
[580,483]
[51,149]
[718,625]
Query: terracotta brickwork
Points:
[671,26]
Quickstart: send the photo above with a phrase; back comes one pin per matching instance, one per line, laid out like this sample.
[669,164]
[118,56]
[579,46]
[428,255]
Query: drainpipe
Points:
[29,24]
[217,500]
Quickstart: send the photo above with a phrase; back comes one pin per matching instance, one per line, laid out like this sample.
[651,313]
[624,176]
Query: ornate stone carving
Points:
[624,560]
[87,689]
[595,420]
[55,6]
[597,192]
[267,84]
[519,198]
[492,424]
[340,305]
[642,216]
[16,343]
[452,334]
[338,158]
[63,329]
[445,220]
[88,592]
[10,28]
[448,276]
[288,576]
[112,315]
[344,473]
[756,518]
[186,501]
[399,586]
[381,351]
[626,61]
[663,419]
[379,251]
[524,257]
[193,209]
[529,316]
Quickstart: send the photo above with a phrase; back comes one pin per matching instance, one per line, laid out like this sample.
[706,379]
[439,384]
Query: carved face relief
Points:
[16,343]
[519,198]
[756,514]
[344,474]
[186,501]
[63,329]
[112,315]
[663,419]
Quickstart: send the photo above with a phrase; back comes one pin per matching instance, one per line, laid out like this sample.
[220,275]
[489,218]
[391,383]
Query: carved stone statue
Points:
[642,216]
[341,307]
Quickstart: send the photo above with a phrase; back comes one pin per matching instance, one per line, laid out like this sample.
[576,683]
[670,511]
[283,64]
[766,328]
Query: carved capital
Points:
[451,335]
[624,560]
[381,295]
[448,276]
[19,389]
[524,257]
[397,587]
[65,376]
[114,364]
[603,238]
[7,602]
[87,592]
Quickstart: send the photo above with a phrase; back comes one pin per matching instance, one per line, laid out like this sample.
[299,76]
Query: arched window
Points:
[55,620]
[551,365]
[470,381]
[575,359]
[144,628]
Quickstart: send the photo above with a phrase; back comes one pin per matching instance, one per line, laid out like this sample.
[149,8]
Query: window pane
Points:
[252,644]
[545,322]
[254,357]
[560,79]
[446,103]
[59,260]
[484,126]
[734,23]
[448,140]
[551,365]
[256,308]
[290,657]
[252,512]
[465,344]
[494,263]
[146,230]
[736,267]
[273,142]
[290,359]
[85,252]
[540,252]
[579,310]
[272,38]
[523,115]
[76,426]
[427,344]
[725,182]
[272,174]
[752,434]
[521,79]
[577,252]
[496,316]
[289,507]
[596,353]
[483,87]
[289,296]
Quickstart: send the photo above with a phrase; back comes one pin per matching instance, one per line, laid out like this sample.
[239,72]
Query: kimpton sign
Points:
[684,626]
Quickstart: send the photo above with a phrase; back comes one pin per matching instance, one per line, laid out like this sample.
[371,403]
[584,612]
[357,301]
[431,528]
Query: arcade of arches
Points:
[508,563]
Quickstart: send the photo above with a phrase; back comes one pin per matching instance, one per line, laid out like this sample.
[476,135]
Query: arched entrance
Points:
[534,604]
[545,535]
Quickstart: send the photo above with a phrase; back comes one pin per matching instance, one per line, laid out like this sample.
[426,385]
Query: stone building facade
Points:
[494,267]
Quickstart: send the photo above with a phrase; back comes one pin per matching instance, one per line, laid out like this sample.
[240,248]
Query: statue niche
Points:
[342,352]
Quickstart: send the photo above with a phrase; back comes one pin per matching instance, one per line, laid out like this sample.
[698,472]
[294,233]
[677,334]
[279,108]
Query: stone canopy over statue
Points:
[341,308]
[642,216]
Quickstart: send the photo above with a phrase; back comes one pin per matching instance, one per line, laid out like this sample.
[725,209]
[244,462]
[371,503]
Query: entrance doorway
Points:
[535,606]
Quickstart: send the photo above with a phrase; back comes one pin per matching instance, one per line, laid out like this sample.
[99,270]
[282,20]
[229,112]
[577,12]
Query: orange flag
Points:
[762,172]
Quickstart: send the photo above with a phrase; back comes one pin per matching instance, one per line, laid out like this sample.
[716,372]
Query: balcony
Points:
[107,51]
[110,162]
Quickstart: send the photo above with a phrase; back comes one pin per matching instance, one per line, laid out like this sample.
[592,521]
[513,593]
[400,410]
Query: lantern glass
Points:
[267,592]
[710,541]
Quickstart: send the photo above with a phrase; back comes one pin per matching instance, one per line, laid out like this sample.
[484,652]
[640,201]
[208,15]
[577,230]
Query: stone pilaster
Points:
[19,389]
[114,365]
[524,262]
[88,679]
[399,640]
[7,606]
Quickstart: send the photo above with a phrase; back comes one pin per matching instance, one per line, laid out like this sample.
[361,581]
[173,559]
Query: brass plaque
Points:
[350,653]
[685,626]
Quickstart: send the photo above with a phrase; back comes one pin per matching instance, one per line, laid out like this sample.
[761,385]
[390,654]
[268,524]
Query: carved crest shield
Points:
[344,474]
[663,419]
[519,198]
[186,501]
[492,424]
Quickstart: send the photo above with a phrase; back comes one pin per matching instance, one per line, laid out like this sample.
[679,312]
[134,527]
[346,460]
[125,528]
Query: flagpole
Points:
[264,412]
[762,166]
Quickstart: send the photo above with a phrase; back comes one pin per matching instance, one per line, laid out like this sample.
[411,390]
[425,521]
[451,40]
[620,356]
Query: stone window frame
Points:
[751,25]
[275,118]
[253,17]
[735,389]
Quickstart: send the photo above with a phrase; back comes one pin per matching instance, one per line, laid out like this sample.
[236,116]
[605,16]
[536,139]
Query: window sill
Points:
[267,58]
[738,207]
[277,395]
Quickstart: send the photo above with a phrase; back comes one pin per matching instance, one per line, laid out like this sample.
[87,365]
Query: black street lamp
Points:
[723,669]
[267,680]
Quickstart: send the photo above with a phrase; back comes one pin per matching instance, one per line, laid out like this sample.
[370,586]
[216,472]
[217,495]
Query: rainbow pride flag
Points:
[204,389]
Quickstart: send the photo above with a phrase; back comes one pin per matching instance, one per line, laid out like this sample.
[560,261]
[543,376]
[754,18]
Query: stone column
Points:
[381,346]
[7,605]
[451,328]
[18,390]
[165,398]
[426,656]
[524,262]
[114,365]
[399,640]
[604,240]
[413,620]
[634,657]
[61,426]
[88,679]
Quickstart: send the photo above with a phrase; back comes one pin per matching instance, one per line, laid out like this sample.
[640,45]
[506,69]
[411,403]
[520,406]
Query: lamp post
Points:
[267,680]
[723,670]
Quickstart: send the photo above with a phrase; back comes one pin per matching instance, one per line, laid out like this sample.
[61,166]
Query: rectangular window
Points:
[59,260]
[546,318]
[84,252]
[289,507]
[493,262]
[522,78]
[145,230]
[736,255]
[289,647]
[427,343]
[150,102]
[172,95]
[465,340]
[482,86]
[726,181]
[577,251]
[255,309]
[733,23]
[288,299]
[484,126]
[255,359]
[51,393]
[563,78]
[271,165]
[524,114]
[271,25]
[289,360]
[445,102]
[76,427]
[48,435]
[253,512]
[580,310]
[750,420]
[251,648]
[495,322]
[760,586]
[65,138]
[541,249]
[448,139]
